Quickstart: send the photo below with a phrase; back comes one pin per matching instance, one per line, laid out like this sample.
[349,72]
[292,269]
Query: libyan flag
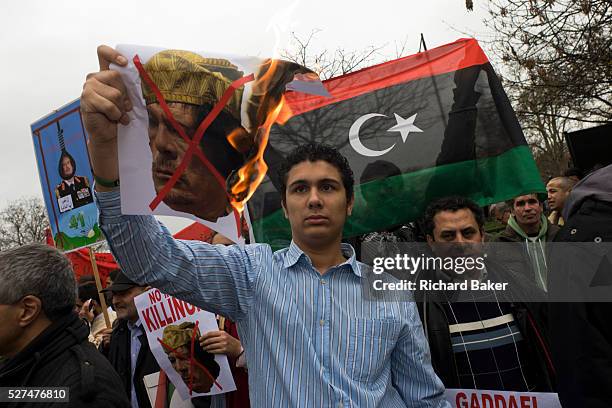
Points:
[425,126]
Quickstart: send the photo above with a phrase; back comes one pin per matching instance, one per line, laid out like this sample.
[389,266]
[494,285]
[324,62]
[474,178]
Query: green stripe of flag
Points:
[401,199]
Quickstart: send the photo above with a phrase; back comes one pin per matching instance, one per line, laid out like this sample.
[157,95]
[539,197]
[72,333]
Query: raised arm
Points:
[104,104]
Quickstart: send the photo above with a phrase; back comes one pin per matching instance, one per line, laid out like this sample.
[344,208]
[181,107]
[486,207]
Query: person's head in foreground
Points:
[191,86]
[200,373]
[454,227]
[527,212]
[124,291]
[316,194]
[557,190]
[37,288]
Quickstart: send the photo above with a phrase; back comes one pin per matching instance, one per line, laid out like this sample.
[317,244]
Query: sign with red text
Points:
[459,398]
[173,329]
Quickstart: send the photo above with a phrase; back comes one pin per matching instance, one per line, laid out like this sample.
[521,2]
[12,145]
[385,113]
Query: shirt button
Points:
[322,322]
[323,282]
[340,405]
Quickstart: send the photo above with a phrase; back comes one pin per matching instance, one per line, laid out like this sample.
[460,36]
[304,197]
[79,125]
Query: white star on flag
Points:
[404,126]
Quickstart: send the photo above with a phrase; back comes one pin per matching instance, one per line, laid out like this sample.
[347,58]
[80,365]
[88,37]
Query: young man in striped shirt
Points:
[310,337]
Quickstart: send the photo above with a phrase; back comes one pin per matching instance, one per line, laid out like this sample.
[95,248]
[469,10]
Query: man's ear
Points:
[31,310]
[284,209]
[349,206]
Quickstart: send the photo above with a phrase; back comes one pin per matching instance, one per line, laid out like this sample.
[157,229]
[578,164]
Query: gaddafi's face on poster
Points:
[180,90]
[191,85]
[196,191]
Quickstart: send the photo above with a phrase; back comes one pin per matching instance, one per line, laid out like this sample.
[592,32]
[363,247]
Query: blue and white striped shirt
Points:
[310,340]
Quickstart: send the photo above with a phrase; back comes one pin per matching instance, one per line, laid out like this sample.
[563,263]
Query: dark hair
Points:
[452,203]
[60,170]
[537,196]
[313,152]
[88,291]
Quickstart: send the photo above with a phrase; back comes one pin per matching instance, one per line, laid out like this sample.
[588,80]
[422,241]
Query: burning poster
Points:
[60,146]
[173,329]
[198,130]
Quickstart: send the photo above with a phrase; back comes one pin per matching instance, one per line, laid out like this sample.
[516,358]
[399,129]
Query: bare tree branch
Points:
[22,222]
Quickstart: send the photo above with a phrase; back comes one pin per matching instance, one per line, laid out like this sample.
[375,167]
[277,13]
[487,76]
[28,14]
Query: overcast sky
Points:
[48,47]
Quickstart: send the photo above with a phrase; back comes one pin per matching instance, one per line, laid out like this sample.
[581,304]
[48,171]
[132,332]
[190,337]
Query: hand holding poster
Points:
[173,330]
[199,126]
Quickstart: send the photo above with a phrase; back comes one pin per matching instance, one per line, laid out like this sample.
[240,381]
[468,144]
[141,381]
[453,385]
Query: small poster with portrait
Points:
[60,146]
[198,132]
[173,329]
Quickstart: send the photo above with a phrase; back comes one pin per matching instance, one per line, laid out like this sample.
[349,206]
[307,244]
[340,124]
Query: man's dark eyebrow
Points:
[325,180]
[300,181]
[328,180]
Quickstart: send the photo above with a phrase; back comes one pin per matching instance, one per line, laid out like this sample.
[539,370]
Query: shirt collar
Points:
[294,253]
[134,326]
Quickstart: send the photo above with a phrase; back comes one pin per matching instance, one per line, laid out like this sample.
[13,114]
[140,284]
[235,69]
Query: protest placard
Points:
[173,329]
[60,146]
[198,130]
[464,398]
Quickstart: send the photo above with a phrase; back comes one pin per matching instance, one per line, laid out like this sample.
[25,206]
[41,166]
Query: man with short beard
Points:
[478,339]
[528,225]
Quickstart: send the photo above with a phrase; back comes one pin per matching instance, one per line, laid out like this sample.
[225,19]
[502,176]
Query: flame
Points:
[233,138]
[251,174]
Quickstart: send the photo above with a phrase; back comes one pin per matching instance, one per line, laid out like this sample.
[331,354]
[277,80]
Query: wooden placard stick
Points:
[94,267]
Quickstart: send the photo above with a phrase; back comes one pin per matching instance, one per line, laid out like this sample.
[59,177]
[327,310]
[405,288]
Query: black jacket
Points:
[442,356]
[62,356]
[527,317]
[582,331]
[119,357]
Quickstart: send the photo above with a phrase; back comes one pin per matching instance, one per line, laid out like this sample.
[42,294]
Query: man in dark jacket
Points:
[42,339]
[581,332]
[126,345]
[477,340]
[528,227]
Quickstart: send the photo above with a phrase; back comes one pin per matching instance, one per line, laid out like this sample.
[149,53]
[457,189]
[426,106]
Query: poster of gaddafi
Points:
[194,146]
[173,329]
[60,146]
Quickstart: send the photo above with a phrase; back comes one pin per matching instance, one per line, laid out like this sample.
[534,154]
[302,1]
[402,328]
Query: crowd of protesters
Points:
[53,331]
[295,324]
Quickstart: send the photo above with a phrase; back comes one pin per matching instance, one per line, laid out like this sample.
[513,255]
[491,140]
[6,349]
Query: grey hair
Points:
[39,270]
